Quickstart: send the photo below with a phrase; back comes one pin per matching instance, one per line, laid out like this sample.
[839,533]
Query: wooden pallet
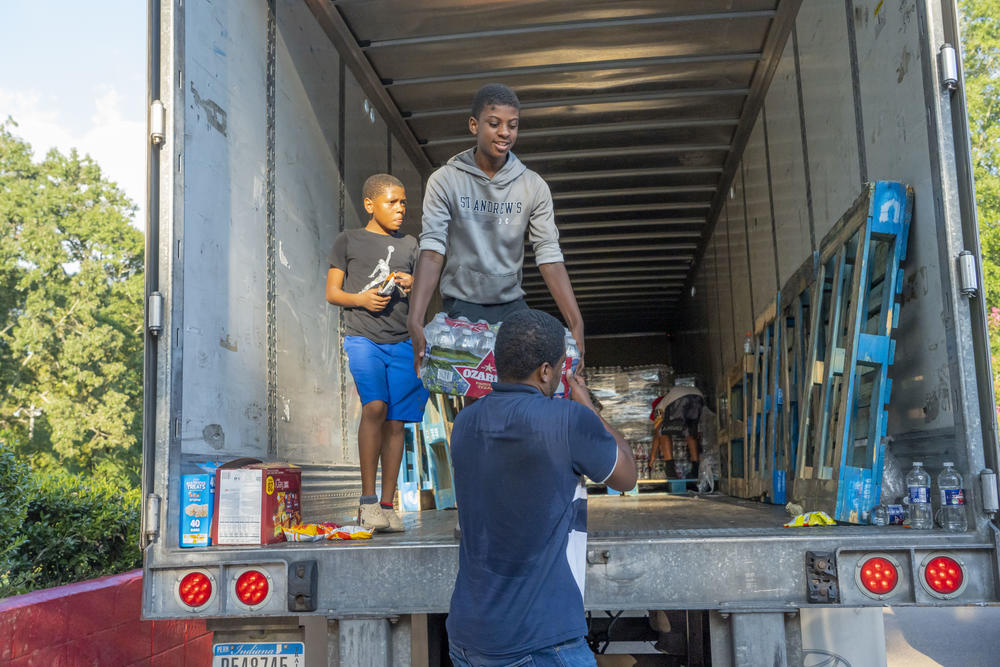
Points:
[806,407]
[843,415]
[426,478]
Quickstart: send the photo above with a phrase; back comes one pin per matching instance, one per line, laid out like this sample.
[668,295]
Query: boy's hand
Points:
[371,301]
[405,281]
[578,391]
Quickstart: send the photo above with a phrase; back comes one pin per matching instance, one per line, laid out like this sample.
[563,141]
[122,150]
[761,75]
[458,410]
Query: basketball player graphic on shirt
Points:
[380,272]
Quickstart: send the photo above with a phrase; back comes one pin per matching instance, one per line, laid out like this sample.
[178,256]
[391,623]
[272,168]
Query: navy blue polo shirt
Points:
[522,504]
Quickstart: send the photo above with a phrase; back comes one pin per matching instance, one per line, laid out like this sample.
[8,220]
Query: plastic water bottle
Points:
[952,516]
[888,515]
[467,341]
[432,333]
[434,329]
[446,337]
[918,485]
[572,352]
[487,340]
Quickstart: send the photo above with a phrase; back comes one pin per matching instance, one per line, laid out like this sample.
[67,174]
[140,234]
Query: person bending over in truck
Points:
[519,458]
[476,210]
[370,277]
[676,415]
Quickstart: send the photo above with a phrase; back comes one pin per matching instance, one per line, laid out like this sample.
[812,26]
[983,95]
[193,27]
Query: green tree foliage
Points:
[15,492]
[71,291]
[68,527]
[981,62]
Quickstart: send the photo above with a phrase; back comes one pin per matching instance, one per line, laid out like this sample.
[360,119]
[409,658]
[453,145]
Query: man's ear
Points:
[473,125]
[369,205]
[545,372]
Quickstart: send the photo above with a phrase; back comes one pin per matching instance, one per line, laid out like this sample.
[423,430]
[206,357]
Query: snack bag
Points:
[811,519]
[303,532]
[385,289]
[310,532]
[349,533]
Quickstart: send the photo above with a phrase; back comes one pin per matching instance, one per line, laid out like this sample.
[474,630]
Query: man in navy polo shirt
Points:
[519,457]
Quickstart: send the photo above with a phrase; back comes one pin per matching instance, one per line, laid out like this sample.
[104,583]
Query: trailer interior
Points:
[698,153]
[676,139]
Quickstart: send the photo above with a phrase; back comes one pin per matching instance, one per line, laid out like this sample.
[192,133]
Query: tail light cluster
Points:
[250,589]
[195,590]
[877,575]
[941,575]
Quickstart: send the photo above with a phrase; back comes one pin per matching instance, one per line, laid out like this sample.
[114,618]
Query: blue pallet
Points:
[888,220]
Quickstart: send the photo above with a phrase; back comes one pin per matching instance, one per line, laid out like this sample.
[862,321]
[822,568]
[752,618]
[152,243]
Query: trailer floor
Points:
[643,515]
[656,516]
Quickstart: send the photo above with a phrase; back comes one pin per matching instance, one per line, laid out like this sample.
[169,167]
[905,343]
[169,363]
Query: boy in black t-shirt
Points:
[370,278]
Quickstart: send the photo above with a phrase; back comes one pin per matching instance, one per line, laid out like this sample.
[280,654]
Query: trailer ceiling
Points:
[635,112]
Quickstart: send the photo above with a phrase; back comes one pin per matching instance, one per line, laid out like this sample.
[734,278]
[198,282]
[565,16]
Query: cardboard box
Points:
[197,504]
[255,501]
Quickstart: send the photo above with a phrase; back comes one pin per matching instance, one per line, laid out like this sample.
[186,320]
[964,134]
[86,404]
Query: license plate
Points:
[244,654]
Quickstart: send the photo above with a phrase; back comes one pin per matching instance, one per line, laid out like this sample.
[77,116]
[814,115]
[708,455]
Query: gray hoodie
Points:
[479,224]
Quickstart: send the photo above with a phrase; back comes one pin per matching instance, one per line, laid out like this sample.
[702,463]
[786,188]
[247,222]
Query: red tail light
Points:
[195,589]
[879,575]
[944,575]
[252,588]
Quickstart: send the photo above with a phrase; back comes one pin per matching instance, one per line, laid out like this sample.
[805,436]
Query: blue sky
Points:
[73,74]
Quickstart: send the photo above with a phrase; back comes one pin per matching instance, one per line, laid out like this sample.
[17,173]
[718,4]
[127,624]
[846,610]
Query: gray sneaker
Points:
[394,522]
[370,517]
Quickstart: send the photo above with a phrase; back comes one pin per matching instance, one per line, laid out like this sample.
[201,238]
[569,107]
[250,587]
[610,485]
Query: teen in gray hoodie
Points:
[477,208]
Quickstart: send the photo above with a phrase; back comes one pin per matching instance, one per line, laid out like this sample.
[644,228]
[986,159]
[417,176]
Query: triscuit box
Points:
[255,501]
[197,504]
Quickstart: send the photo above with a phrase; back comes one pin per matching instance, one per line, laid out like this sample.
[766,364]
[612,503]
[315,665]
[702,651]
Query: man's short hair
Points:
[494,94]
[376,184]
[526,340]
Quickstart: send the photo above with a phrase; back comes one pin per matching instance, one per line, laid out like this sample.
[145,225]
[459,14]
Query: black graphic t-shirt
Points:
[367,259]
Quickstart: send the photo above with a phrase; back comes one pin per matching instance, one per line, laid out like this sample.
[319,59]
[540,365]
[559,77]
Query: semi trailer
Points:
[711,164]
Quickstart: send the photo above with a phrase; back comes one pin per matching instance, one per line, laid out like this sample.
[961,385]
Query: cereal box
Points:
[197,504]
[255,502]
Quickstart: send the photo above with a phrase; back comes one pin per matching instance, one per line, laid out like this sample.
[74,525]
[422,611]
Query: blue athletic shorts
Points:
[384,372]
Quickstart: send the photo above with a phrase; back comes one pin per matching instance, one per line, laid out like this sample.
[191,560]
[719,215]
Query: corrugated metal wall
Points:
[848,95]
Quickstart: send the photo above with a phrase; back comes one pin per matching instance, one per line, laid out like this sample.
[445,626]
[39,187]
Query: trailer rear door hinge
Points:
[154,314]
[157,122]
[968,276]
[152,516]
[948,64]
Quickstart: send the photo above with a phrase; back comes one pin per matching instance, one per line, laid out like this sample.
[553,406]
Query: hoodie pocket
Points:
[488,287]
